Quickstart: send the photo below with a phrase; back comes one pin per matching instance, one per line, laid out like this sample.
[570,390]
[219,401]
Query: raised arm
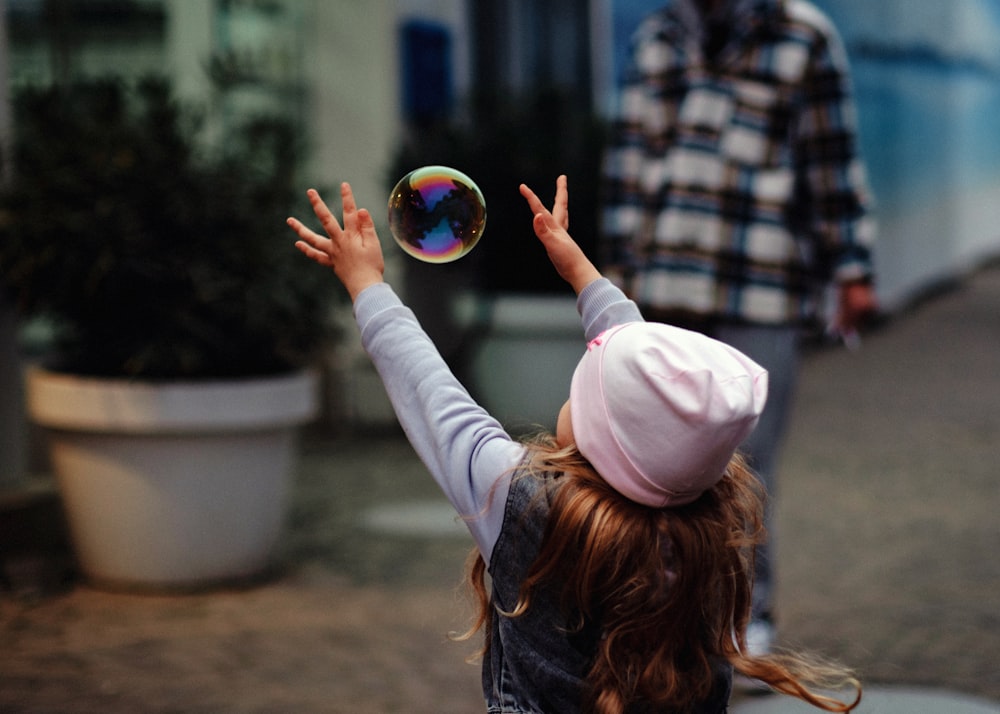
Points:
[600,303]
[467,451]
[551,227]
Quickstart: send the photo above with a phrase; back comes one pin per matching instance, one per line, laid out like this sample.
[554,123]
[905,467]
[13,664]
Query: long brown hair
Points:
[670,587]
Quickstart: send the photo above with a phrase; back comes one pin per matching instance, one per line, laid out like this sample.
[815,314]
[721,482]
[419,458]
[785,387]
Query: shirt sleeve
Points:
[836,197]
[602,305]
[624,217]
[468,452]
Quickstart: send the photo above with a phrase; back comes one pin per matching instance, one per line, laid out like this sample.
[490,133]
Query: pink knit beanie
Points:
[659,411]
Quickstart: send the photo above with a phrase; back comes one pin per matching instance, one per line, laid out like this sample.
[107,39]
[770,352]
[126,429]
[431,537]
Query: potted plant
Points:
[182,320]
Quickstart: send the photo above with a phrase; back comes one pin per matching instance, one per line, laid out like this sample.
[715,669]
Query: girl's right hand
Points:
[352,251]
[551,228]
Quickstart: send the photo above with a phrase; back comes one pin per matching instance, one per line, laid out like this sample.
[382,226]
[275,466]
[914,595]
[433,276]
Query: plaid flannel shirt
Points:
[733,187]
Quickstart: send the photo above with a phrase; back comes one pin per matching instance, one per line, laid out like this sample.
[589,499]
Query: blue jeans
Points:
[776,349]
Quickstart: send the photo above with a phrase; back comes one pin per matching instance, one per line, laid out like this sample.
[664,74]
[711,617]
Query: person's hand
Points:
[352,251]
[551,228]
[856,302]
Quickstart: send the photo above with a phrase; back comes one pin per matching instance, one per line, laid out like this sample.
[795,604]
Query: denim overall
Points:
[536,663]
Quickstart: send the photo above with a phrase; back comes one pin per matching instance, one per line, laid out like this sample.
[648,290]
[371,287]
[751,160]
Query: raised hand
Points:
[353,251]
[551,227]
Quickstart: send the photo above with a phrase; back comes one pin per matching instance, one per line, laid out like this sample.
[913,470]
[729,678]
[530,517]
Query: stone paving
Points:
[888,540]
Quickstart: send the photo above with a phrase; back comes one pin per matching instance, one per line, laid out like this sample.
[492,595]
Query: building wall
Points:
[333,66]
[927,84]
[352,107]
[927,80]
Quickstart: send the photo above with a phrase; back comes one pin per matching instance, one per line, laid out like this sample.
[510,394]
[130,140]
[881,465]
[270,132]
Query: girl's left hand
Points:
[567,257]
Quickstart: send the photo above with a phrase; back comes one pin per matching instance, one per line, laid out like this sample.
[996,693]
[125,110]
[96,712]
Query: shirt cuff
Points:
[373,300]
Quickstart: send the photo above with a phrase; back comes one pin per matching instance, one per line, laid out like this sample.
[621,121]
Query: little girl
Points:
[619,549]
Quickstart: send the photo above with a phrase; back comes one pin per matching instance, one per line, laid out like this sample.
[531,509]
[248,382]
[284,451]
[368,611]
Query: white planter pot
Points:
[172,485]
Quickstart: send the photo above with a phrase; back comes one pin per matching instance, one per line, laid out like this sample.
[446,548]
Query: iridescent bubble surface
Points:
[436,214]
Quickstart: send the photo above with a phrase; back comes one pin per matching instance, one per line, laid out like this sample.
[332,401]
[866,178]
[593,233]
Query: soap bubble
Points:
[436,214]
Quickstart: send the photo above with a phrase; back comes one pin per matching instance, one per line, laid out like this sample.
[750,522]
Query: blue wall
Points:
[927,81]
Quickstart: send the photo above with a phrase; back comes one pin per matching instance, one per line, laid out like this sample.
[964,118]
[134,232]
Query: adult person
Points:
[735,199]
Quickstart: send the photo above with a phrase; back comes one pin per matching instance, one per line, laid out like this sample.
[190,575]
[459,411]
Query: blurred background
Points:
[506,91]
[515,90]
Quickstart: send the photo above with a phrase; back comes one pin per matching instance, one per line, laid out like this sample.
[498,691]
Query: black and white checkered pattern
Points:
[733,187]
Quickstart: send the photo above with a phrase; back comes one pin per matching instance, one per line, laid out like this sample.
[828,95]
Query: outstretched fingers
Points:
[323,213]
[314,254]
[322,248]
[314,246]
[365,226]
[547,226]
[350,247]
[534,203]
[560,206]
[551,227]
[350,209]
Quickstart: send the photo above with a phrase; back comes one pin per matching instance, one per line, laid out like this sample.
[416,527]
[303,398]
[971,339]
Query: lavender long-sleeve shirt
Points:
[467,451]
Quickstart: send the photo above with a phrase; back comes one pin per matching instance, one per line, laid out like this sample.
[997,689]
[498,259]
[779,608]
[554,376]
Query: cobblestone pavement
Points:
[888,540]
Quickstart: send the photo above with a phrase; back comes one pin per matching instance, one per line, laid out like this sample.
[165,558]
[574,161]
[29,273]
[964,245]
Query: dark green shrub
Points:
[153,255]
